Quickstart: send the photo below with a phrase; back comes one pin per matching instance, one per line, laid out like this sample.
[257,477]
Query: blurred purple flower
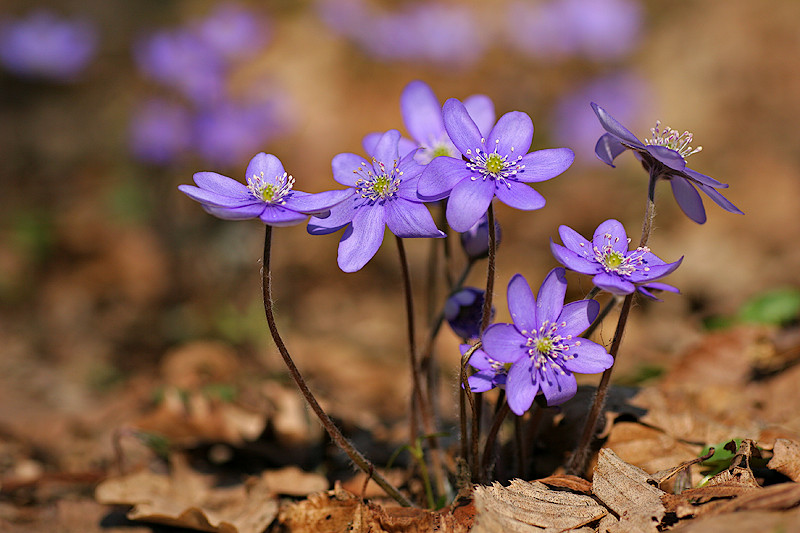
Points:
[597,29]
[495,165]
[47,47]
[382,194]
[475,241]
[572,124]
[268,195]
[607,258]
[543,342]
[463,310]
[490,373]
[664,156]
[233,32]
[160,131]
[182,60]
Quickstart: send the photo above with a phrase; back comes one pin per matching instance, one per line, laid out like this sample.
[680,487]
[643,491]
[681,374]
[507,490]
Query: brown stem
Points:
[491,437]
[327,423]
[490,270]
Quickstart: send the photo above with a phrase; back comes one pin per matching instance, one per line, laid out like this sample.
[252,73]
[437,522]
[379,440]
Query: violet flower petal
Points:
[205,196]
[278,216]
[608,148]
[512,135]
[422,112]
[340,216]
[265,165]
[519,196]
[223,185]
[460,127]
[667,156]
[589,358]
[503,342]
[521,304]
[521,388]
[557,387]
[317,203]
[613,127]
[550,299]
[543,165]
[362,238]
[688,199]
[619,238]
[386,150]
[705,180]
[573,261]
[613,284]
[440,176]
[410,219]
[718,199]
[235,213]
[654,271]
[481,109]
[469,200]
[344,168]
[578,316]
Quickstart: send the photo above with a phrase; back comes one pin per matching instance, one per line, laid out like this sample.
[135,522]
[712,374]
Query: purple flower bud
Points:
[464,310]
[475,241]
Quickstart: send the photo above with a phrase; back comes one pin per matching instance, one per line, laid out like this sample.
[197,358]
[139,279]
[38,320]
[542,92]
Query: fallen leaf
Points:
[786,458]
[531,506]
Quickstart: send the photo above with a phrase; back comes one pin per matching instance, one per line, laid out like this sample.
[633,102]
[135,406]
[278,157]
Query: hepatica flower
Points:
[615,268]
[475,241]
[381,193]
[268,194]
[542,343]
[664,155]
[497,164]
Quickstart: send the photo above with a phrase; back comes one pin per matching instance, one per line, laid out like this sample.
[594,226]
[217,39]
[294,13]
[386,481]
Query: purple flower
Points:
[664,155]
[44,46]
[475,241]
[490,373]
[160,131]
[268,194]
[463,310]
[382,194]
[543,343]
[607,258]
[233,31]
[491,165]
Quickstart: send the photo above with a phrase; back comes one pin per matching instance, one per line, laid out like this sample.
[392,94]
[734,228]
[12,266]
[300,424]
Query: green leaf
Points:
[775,307]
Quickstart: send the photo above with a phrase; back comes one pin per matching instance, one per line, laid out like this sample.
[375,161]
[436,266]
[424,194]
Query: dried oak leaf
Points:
[188,499]
[625,489]
[786,458]
[526,507]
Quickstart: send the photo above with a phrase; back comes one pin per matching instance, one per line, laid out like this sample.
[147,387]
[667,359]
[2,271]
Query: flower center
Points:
[494,165]
[376,183]
[271,192]
[619,262]
[672,139]
[547,346]
[441,149]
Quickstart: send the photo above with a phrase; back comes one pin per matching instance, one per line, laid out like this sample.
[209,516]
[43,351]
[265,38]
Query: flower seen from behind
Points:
[268,194]
[497,164]
[382,193]
[463,310]
[615,268]
[543,342]
[664,155]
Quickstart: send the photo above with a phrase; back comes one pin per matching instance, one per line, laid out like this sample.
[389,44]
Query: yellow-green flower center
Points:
[543,345]
[271,192]
[613,259]
[440,150]
[494,164]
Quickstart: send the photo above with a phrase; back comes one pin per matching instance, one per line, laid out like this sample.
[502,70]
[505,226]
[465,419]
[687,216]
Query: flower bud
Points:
[464,311]
[475,241]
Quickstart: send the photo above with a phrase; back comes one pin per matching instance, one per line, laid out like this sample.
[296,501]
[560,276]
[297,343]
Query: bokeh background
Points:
[106,269]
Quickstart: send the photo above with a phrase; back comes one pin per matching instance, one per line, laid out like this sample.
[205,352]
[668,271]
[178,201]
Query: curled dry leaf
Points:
[527,507]
[786,458]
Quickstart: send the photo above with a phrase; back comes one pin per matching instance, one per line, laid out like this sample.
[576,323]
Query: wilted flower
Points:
[475,241]
[664,155]
[463,310]
[493,165]
[382,194]
[44,46]
[490,373]
[543,343]
[607,258]
[268,194]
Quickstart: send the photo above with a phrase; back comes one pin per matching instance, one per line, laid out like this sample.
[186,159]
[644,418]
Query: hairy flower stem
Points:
[417,398]
[466,392]
[327,423]
[578,461]
[490,270]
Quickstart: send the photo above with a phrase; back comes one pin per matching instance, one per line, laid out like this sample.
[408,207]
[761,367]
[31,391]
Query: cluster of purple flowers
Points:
[200,113]
[458,153]
[44,46]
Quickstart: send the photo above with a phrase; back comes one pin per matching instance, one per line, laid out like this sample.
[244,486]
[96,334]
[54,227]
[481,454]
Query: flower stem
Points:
[578,461]
[491,437]
[417,397]
[490,270]
[466,392]
[327,423]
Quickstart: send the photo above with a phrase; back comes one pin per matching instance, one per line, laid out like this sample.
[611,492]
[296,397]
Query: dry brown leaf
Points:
[188,499]
[566,481]
[624,488]
[786,458]
[524,507]
[773,498]
[339,510]
[743,522]
[293,481]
